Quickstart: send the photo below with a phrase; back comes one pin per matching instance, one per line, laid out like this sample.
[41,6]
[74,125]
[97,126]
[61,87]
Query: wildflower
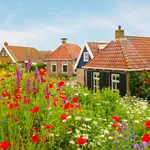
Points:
[48,126]
[35,110]
[9,115]
[88,119]
[4,145]
[147,124]
[61,83]
[81,141]
[51,85]
[15,119]
[75,100]
[145,143]
[136,146]
[63,116]
[36,73]
[29,64]
[146,138]
[35,138]
[71,142]
[116,118]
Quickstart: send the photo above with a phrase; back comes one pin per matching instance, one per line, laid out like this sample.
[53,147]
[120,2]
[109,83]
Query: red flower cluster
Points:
[48,126]
[81,141]
[146,138]
[63,116]
[35,110]
[147,124]
[4,145]
[116,118]
[35,138]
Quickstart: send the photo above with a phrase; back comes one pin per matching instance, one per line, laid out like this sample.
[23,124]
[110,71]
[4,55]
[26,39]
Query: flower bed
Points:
[37,113]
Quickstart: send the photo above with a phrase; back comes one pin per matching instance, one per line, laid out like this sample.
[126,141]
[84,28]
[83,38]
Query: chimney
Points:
[6,43]
[119,33]
[64,40]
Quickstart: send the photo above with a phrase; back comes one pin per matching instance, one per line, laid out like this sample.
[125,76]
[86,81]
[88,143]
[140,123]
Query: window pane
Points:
[53,68]
[65,68]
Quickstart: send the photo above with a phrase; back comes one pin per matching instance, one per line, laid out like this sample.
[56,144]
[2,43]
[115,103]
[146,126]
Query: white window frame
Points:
[84,57]
[115,81]
[3,54]
[64,64]
[52,64]
[96,87]
[6,54]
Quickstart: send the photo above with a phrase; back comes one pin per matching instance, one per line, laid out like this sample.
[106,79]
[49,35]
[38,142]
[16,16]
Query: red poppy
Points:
[114,125]
[146,138]
[15,119]
[62,96]
[37,91]
[47,96]
[35,110]
[48,126]
[9,115]
[60,83]
[35,138]
[4,145]
[115,117]
[51,86]
[147,124]
[81,141]
[75,100]
[55,103]
[42,72]
[64,116]
[8,75]
[11,106]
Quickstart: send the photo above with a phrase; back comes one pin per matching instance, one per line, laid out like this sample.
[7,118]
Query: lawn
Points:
[37,113]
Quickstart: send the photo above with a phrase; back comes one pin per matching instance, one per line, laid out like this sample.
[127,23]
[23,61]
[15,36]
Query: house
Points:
[43,55]
[18,54]
[88,52]
[112,67]
[63,59]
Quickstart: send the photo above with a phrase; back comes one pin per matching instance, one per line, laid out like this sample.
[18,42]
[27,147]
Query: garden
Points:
[39,113]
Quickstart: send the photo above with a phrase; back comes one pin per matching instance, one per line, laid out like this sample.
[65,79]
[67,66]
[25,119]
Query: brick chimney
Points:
[6,43]
[119,33]
[64,40]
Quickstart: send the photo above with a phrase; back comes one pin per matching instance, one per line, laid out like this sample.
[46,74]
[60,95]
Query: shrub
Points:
[39,66]
[60,75]
[140,84]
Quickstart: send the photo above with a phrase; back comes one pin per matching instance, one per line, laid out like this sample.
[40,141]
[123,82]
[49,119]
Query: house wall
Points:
[81,61]
[5,59]
[105,80]
[80,76]
[59,67]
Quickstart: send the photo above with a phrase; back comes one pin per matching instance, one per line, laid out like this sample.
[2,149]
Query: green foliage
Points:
[3,66]
[139,83]
[39,66]
[60,75]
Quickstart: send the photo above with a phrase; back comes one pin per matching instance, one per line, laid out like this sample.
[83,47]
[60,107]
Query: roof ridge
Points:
[124,53]
[9,49]
[136,36]
[69,51]
[21,46]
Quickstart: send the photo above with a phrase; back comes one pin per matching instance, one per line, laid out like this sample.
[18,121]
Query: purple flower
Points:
[29,64]
[126,141]
[116,142]
[28,84]
[58,88]
[119,137]
[36,73]
[46,90]
[136,146]
[145,143]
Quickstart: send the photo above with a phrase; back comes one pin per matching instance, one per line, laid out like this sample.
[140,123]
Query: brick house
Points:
[63,59]
[19,54]
[112,67]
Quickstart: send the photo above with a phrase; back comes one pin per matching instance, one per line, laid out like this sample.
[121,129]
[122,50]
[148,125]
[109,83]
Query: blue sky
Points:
[40,24]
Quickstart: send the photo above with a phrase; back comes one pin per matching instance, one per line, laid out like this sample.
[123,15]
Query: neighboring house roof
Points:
[44,54]
[65,51]
[20,53]
[128,53]
[93,49]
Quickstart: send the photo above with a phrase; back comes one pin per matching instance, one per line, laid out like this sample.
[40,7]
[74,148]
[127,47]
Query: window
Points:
[96,76]
[65,67]
[3,53]
[53,66]
[6,54]
[86,56]
[115,80]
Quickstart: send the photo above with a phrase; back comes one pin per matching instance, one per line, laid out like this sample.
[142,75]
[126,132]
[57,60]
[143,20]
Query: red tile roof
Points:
[94,47]
[125,53]
[66,51]
[20,53]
